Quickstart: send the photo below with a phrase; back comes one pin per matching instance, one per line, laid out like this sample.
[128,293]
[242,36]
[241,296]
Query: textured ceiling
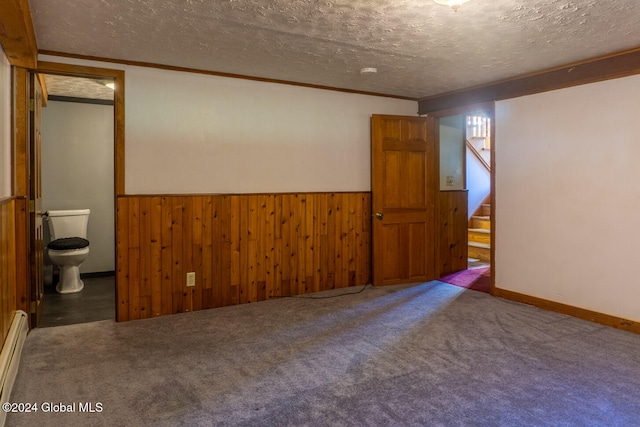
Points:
[77,87]
[419,48]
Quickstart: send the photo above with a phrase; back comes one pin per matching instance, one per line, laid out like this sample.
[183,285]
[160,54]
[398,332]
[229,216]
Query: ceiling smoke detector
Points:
[368,70]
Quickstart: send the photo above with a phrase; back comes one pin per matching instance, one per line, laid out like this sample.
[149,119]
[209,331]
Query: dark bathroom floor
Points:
[95,302]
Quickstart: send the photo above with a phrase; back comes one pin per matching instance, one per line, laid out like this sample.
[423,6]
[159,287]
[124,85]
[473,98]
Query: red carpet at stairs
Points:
[478,279]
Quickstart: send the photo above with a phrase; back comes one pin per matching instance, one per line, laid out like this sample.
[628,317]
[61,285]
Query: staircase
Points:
[479,233]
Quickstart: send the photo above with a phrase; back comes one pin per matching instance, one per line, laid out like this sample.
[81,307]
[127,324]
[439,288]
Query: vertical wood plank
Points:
[216,237]
[235,238]
[344,239]
[145,257]
[277,237]
[245,235]
[13,256]
[296,258]
[367,218]
[21,254]
[155,240]
[261,256]
[317,213]
[269,247]
[207,243]
[277,216]
[166,240]
[339,255]
[145,244]
[453,229]
[134,258]
[309,256]
[352,237]
[122,260]
[252,280]
[134,223]
[358,238]
[277,268]
[197,252]
[177,276]
[331,243]
[230,290]
[322,249]
[187,251]
[286,249]
[134,283]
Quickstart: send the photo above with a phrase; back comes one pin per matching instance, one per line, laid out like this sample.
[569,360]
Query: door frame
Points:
[489,109]
[22,155]
[36,249]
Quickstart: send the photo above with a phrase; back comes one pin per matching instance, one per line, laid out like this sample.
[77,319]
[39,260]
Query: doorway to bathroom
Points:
[77,172]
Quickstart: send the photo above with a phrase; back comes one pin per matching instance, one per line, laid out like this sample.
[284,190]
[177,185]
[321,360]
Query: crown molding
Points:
[217,73]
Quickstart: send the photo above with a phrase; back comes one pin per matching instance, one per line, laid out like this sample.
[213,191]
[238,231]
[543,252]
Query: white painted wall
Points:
[478,181]
[193,133]
[568,198]
[77,172]
[5,126]
[452,152]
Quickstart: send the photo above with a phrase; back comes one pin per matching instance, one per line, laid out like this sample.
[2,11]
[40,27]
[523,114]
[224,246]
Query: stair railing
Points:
[478,155]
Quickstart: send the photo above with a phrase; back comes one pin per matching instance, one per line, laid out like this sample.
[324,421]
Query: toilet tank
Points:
[68,223]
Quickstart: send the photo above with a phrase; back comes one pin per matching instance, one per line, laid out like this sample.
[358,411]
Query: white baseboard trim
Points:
[10,357]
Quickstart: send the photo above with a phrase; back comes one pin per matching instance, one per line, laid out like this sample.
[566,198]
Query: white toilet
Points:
[69,246]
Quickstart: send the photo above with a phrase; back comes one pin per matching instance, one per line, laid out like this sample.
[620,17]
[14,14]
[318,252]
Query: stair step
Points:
[485,209]
[483,222]
[480,245]
[481,235]
[482,251]
[480,230]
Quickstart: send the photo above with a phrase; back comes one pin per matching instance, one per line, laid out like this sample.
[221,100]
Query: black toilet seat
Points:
[68,243]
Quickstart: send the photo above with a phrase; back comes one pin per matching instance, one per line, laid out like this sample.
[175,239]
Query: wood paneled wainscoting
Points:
[10,264]
[453,224]
[242,248]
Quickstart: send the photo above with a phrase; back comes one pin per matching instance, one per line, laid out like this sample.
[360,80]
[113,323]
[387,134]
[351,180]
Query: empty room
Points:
[257,213]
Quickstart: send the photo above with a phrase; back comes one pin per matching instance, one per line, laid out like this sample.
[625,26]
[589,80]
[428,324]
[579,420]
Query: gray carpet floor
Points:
[428,354]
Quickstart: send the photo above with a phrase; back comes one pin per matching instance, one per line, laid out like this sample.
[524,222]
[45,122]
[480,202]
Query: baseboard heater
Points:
[10,357]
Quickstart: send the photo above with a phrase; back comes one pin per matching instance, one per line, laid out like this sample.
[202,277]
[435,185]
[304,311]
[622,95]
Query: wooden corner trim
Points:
[17,35]
[612,66]
[580,313]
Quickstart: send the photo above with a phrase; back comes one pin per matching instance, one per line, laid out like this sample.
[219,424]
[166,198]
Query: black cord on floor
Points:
[332,296]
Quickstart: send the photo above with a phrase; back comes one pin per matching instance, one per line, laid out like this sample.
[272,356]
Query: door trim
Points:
[118,108]
[489,109]
[36,260]
[118,123]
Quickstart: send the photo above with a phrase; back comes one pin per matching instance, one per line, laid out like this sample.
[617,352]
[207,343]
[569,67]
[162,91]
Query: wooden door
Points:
[35,199]
[404,189]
